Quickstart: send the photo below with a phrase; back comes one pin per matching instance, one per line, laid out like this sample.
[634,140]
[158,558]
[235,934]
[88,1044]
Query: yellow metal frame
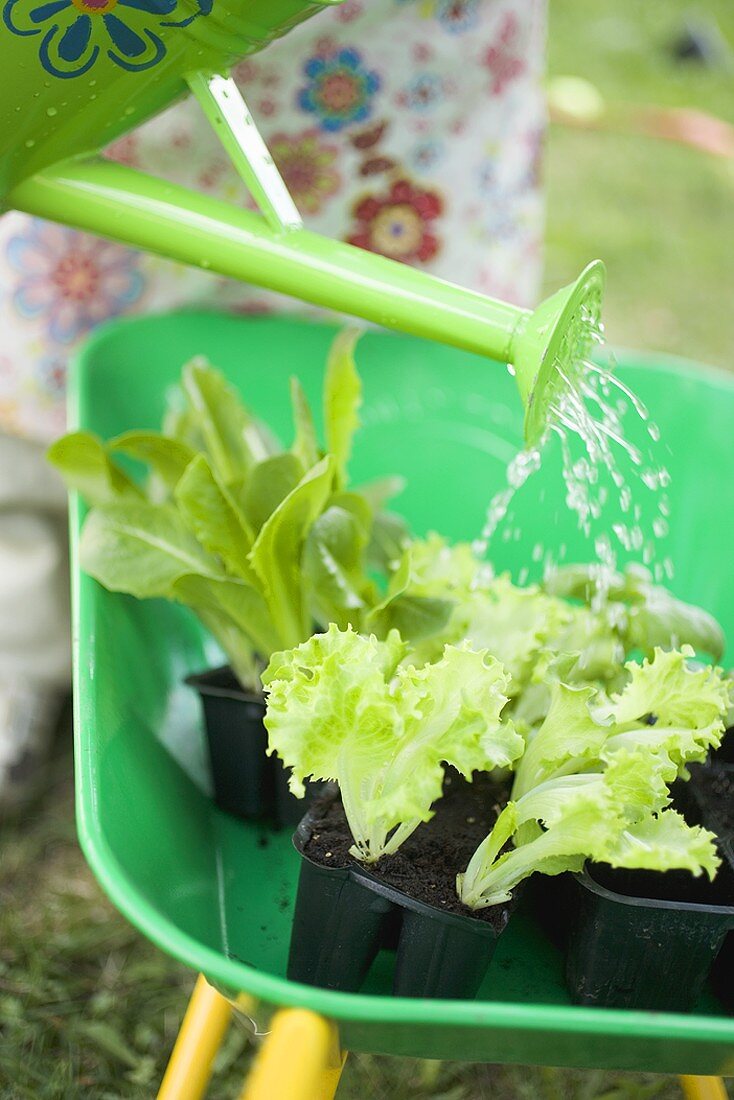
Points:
[300,1058]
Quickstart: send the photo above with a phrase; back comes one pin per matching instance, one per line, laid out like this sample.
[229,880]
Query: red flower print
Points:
[211,176]
[365,139]
[399,224]
[347,11]
[124,151]
[504,58]
[246,71]
[307,165]
[181,139]
[375,165]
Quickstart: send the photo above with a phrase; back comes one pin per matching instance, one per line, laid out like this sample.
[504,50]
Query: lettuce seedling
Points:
[260,542]
[645,614]
[342,707]
[594,781]
[525,628]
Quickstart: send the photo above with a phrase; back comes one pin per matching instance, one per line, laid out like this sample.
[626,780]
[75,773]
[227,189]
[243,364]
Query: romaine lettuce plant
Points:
[594,781]
[343,707]
[262,543]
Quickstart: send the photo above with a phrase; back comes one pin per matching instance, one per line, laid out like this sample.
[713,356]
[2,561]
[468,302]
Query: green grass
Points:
[661,215]
[88,1008]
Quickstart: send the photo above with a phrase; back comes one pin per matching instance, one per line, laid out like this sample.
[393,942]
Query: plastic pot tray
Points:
[344,915]
[642,939]
[218,892]
[247,782]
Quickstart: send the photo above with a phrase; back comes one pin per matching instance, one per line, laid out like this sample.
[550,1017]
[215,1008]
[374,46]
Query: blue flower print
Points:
[75,32]
[340,89]
[426,155]
[458,16]
[424,92]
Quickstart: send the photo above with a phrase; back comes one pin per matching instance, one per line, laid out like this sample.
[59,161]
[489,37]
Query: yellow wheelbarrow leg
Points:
[199,1039]
[703,1088]
[299,1060]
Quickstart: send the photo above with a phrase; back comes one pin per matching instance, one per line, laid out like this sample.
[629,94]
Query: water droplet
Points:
[51,111]
[30,143]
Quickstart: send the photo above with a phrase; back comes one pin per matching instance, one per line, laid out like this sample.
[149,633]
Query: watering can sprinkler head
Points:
[549,343]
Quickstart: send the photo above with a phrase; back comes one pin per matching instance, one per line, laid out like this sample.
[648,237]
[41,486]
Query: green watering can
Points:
[77,74]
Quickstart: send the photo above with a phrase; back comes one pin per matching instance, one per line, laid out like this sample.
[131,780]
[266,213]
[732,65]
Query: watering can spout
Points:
[549,343]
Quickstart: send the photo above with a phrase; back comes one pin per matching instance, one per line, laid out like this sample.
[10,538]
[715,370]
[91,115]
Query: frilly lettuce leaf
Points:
[673,691]
[664,842]
[617,816]
[341,707]
[647,614]
[594,780]
[440,569]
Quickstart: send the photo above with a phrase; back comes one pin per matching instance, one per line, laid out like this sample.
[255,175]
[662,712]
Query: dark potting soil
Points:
[426,865]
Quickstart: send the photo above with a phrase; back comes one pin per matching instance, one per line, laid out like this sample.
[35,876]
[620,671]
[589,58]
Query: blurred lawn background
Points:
[87,1008]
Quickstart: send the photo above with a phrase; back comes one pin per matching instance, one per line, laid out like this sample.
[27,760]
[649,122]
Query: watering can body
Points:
[77,74]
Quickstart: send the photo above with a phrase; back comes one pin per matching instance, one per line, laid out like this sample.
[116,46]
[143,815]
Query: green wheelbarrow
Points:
[200,883]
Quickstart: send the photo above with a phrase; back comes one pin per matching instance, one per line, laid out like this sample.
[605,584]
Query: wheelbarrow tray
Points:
[216,892]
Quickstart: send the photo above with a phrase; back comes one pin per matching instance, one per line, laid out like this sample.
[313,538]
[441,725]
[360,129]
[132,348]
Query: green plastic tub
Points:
[216,892]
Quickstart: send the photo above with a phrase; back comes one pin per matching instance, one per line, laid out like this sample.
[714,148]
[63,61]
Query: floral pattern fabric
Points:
[412,128]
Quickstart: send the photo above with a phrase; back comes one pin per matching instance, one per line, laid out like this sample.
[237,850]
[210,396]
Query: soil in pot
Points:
[247,782]
[646,939]
[426,865]
[443,948]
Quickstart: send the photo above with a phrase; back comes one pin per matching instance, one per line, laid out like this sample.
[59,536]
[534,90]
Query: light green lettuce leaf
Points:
[82,460]
[342,400]
[647,615]
[236,615]
[212,515]
[268,484]
[414,616]
[233,440]
[167,457]
[514,624]
[567,739]
[142,549]
[333,564]
[339,708]
[276,555]
[442,570]
[305,445]
[587,816]
[665,843]
[377,493]
[671,689]
[389,536]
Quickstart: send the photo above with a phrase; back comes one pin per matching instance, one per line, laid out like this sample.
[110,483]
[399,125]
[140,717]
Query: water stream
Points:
[606,478]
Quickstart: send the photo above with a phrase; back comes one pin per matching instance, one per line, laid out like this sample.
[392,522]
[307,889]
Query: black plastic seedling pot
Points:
[345,915]
[247,782]
[646,939]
